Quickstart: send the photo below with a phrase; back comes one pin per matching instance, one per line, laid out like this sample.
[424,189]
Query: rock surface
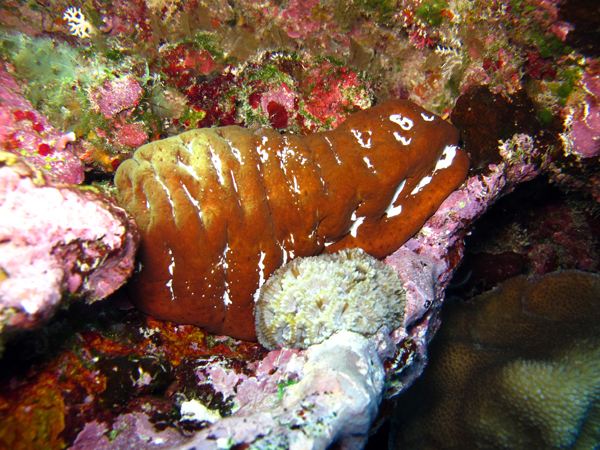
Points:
[56,240]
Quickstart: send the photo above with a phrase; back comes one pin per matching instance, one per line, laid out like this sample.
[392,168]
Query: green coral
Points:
[430,12]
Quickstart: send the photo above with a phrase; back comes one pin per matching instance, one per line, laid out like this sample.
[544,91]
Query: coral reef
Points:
[248,202]
[128,429]
[518,78]
[583,120]
[536,230]
[56,240]
[517,367]
[307,300]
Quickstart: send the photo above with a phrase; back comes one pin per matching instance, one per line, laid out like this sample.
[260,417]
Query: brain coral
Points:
[220,209]
[516,368]
[307,300]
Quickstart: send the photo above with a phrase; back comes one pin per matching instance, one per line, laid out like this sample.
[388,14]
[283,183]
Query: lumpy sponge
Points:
[309,299]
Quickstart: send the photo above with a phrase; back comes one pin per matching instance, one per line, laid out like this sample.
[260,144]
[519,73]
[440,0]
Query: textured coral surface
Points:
[515,368]
[220,209]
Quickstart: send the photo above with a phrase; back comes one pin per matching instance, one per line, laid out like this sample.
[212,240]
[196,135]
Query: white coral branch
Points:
[79,26]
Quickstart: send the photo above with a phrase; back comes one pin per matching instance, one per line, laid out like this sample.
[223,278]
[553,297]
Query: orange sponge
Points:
[220,209]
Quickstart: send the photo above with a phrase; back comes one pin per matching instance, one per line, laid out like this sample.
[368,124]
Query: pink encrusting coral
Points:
[25,132]
[57,240]
[115,96]
[132,135]
[582,137]
[329,393]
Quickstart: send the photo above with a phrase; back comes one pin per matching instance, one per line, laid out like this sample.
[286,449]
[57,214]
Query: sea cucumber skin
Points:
[220,209]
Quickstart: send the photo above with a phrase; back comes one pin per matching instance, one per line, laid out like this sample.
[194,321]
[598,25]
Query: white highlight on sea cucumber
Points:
[189,169]
[171,270]
[223,263]
[445,161]
[333,151]
[404,122]
[217,164]
[356,224]
[424,181]
[166,191]
[427,118]
[264,155]
[447,157]
[226,300]
[296,186]
[238,155]
[233,180]
[358,135]
[401,138]
[193,200]
[392,210]
[284,253]
[261,280]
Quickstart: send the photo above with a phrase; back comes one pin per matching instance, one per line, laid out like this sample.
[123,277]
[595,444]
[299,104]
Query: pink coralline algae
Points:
[328,393]
[115,96]
[25,132]
[129,428]
[56,240]
[132,135]
[582,137]
[335,91]
[277,104]
[299,20]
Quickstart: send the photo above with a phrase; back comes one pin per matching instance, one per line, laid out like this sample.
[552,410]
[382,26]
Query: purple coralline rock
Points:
[25,132]
[296,399]
[115,96]
[328,393]
[128,428]
[582,121]
[56,240]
